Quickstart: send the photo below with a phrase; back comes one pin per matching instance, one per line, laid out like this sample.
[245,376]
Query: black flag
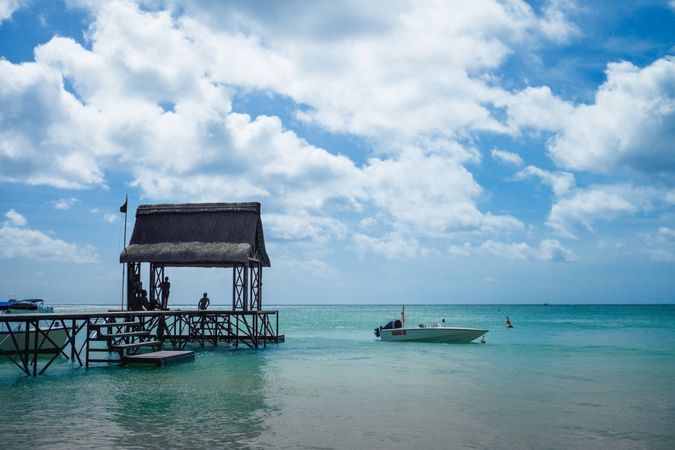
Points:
[123,208]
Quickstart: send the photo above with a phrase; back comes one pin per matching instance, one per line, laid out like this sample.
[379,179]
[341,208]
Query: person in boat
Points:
[203,302]
[165,287]
[508,323]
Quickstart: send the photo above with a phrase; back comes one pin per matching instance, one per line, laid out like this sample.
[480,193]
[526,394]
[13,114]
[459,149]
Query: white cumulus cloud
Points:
[406,69]
[584,207]
[111,217]
[64,203]
[391,246]
[547,250]
[23,242]
[9,7]
[15,219]
[560,182]
[152,95]
[661,246]
[628,128]
[506,157]
[429,194]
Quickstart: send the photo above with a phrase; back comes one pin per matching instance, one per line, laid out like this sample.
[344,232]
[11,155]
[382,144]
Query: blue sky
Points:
[403,152]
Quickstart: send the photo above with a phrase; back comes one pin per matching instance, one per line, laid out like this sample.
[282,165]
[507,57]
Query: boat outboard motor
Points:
[393,324]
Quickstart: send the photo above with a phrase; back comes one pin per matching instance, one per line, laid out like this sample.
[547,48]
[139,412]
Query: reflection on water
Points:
[217,401]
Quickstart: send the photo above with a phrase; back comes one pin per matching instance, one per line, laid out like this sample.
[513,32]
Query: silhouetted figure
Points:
[166,287]
[135,296]
[508,323]
[154,304]
[203,303]
[144,300]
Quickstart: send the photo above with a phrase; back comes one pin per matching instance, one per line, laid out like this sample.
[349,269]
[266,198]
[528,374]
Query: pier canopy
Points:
[197,235]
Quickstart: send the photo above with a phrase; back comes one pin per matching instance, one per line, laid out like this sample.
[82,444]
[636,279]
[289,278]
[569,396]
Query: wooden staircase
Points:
[124,338]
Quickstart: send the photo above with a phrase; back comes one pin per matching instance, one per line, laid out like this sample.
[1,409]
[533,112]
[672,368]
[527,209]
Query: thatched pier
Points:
[206,235]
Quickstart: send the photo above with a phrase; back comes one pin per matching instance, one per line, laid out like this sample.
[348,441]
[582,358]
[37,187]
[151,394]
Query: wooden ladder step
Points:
[125,334]
[135,345]
[115,324]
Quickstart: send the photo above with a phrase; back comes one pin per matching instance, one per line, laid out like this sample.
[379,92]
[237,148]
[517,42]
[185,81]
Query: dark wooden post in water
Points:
[156,278]
[133,280]
[239,287]
[256,285]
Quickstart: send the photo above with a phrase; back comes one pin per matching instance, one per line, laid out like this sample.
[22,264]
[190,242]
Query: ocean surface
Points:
[565,377]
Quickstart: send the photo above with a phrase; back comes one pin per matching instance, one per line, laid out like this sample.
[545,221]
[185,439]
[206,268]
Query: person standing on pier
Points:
[203,303]
[166,287]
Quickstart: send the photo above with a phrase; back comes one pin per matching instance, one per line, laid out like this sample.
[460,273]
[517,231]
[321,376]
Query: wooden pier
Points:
[205,235]
[115,336]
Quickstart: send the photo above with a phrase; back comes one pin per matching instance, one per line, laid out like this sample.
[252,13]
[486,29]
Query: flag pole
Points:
[124,243]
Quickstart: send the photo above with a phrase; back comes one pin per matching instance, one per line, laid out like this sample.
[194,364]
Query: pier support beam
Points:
[133,280]
[256,285]
[156,278]
[240,287]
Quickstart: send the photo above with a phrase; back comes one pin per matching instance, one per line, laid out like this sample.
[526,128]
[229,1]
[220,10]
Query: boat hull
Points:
[435,334]
[57,335]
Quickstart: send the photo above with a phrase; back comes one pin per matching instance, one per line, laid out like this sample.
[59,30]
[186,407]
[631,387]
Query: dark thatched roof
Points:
[197,234]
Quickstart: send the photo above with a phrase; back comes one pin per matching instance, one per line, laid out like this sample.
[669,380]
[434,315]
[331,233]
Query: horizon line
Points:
[408,304]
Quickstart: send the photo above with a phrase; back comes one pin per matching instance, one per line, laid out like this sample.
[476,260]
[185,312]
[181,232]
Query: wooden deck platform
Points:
[161,358]
[111,336]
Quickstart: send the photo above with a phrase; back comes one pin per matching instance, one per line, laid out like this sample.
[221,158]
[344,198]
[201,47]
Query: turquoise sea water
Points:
[566,377]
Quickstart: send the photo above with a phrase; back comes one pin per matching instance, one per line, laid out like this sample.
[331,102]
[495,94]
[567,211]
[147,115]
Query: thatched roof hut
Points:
[197,235]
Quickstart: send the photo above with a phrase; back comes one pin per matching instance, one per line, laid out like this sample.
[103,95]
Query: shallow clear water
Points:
[564,377]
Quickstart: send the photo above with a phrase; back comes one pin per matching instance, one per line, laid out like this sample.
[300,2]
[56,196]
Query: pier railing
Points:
[106,337]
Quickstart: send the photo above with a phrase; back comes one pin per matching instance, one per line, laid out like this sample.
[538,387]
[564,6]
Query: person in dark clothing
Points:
[135,296]
[144,300]
[203,303]
[166,287]
[154,304]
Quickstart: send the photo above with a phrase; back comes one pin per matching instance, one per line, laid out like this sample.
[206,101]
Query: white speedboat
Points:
[57,334]
[396,330]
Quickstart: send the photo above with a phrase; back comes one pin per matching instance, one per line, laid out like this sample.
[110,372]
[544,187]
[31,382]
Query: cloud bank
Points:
[19,241]
[153,95]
